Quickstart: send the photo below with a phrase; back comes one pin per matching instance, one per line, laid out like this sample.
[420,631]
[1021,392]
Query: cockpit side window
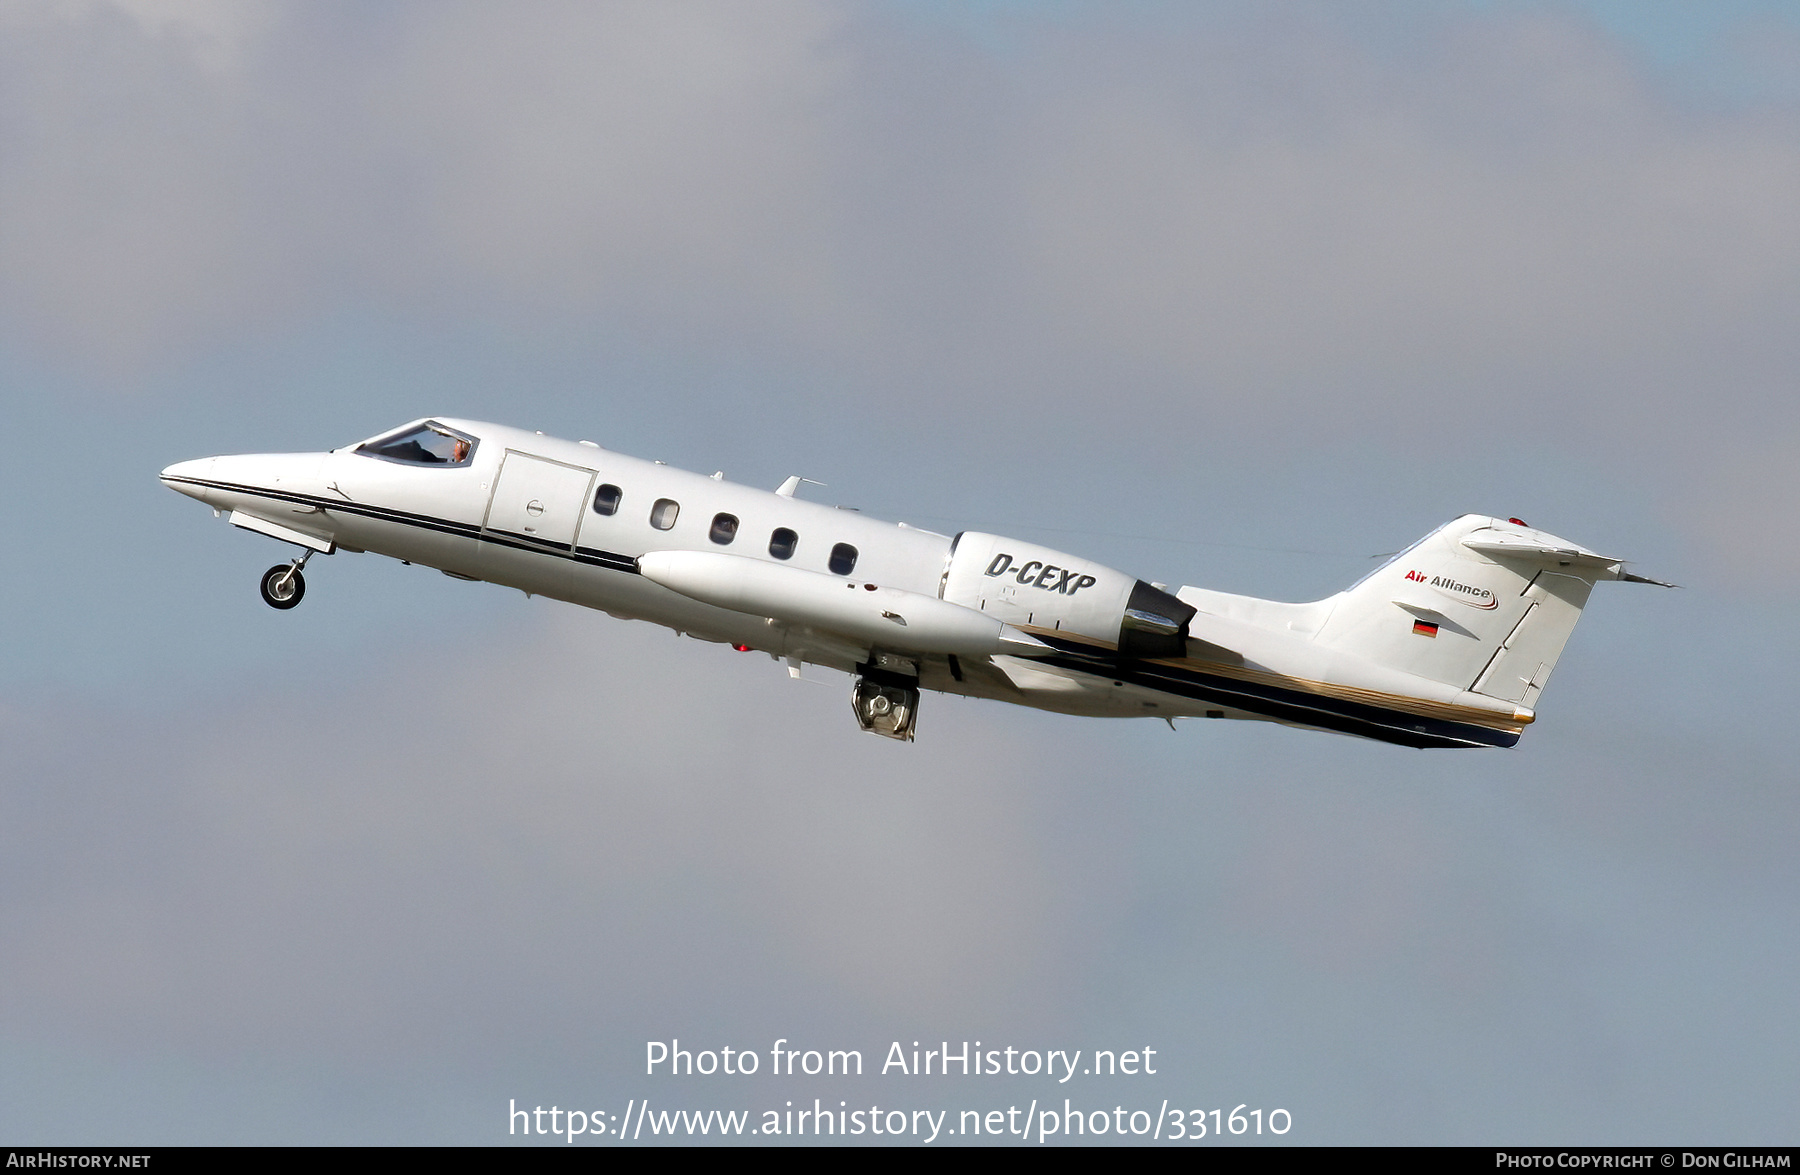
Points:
[425,444]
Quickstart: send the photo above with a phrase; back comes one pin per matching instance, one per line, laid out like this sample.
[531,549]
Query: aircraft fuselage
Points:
[903,608]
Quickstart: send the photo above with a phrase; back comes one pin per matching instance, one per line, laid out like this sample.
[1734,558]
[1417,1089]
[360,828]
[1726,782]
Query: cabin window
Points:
[783,542]
[607,499]
[664,513]
[724,528]
[425,444]
[843,559]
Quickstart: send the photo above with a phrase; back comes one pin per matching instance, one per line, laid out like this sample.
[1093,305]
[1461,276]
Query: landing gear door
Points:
[538,501]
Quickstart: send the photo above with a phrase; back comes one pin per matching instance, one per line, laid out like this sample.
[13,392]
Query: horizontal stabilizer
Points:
[1547,550]
[1515,546]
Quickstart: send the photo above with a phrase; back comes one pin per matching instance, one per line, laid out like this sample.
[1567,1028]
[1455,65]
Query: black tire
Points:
[296,587]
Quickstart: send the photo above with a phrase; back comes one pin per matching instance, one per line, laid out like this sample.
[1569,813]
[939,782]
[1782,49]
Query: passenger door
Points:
[538,501]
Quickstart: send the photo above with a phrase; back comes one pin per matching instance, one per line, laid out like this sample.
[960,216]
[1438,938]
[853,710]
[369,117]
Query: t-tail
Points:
[1483,604]
[1474,615]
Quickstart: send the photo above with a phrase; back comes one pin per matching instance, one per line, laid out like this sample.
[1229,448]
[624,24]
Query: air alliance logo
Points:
[1474,597]
[1046,576]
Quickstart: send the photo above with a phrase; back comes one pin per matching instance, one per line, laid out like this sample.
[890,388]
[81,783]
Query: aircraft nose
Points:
[187,477]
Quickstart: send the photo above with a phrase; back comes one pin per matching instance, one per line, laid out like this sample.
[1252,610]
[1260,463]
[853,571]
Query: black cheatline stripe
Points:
[589,556]
[1388,725]
[608,559]
[344,506]
[1359,718]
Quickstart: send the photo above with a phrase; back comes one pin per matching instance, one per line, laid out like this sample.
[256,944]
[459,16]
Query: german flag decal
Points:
[1424,628]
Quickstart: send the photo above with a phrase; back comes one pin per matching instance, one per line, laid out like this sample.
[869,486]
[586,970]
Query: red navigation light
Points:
[1518,522]
[741,648]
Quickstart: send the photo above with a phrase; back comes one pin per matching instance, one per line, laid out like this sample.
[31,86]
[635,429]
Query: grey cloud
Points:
[125,227]
[1216,214]
[463,863]
[1743,509]
[623,155]
[351,864]
[1282,270]
[156,203]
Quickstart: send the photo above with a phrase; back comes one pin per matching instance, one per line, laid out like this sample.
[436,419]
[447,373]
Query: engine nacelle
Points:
[1034,587]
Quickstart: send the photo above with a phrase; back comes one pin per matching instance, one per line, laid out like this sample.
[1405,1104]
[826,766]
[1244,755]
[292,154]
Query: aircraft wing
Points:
[866,613]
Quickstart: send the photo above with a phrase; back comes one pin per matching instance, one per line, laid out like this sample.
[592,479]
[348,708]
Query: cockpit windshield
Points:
[429,443]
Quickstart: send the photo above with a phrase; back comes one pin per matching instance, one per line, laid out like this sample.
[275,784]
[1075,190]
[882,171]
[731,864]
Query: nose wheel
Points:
[283,586]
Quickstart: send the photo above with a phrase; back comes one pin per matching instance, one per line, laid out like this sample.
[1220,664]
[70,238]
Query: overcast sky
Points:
[1229,295]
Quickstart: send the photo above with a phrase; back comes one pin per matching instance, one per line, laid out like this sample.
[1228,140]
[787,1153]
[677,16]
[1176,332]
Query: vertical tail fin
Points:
[1480,604]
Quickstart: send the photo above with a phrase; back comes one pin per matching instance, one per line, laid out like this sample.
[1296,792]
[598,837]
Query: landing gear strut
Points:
[282,585]
[885,703]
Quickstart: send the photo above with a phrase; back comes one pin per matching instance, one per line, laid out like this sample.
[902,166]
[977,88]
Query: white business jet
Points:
[1447,644]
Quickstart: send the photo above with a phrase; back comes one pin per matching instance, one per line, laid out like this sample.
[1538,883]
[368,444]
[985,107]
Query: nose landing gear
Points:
[282,585]
[886,703]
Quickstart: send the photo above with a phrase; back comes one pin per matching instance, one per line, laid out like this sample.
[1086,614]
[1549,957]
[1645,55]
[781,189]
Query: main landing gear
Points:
[886,703]
[283,586]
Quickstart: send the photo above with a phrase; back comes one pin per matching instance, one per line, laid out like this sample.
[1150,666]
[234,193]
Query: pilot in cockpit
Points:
[426,444]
